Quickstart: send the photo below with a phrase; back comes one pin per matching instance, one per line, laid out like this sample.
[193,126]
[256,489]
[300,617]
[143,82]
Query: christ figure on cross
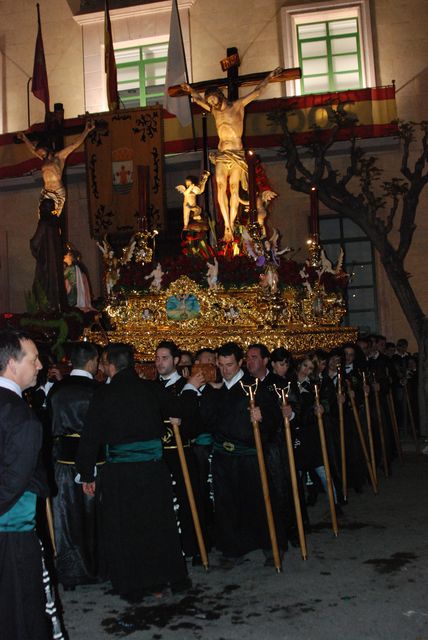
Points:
[53,163]
[230,165]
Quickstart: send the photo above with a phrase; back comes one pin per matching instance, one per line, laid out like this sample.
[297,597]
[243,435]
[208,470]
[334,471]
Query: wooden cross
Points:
[233,81]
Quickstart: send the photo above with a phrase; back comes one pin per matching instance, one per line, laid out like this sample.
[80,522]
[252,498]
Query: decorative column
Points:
[252,185]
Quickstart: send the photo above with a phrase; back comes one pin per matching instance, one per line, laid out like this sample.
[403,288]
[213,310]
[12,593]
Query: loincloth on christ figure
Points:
[231,159]
[57,195]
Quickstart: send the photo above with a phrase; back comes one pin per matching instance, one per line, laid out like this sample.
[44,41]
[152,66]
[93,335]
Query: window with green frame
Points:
[337,232]
[141,74]
[330,56]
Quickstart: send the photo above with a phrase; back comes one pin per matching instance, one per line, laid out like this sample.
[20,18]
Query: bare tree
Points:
[384,210]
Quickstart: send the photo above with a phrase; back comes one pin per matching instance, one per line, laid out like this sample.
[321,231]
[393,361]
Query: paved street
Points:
[370,582]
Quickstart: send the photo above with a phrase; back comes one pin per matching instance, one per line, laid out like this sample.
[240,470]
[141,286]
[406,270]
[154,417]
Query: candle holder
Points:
[255,233]
[314,249]
[143,252]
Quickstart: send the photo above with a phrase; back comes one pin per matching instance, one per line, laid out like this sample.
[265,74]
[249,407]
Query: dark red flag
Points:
[110,63]
[39,86]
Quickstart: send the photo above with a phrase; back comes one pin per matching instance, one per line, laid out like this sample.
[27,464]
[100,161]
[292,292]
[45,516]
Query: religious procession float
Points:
[232,280]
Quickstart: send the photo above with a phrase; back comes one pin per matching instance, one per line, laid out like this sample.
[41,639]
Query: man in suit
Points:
[22,601]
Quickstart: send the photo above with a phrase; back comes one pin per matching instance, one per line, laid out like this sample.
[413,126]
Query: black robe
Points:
[188,430]
[22,599]
[46,247]
[240,514]
[74,512]
[140,533]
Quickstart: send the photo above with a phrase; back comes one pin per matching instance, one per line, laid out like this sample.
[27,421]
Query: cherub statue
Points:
[190,190]
[157,274]
[212,274]
[113,264]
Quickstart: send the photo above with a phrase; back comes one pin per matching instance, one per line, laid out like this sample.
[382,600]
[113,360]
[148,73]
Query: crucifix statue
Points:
[230,165]
[52,167]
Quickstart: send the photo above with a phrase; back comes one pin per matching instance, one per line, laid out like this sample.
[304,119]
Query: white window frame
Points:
[152,18]
[294,15]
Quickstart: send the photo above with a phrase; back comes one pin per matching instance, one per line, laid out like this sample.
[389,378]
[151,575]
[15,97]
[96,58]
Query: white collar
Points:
[172,379]
[7,383]
[235,379]
[265,376]
[81,372]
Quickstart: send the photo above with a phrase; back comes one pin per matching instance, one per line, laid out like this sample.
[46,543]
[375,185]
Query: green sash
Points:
[204,439]
[141,451]
[22,516]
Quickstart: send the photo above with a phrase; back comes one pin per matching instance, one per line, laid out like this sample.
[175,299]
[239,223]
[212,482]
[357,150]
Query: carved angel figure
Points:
[327,265]
[190,190]
[157,274]
[113,264]
[212,274]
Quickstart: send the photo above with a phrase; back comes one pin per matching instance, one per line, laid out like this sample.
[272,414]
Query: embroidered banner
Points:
[122,142]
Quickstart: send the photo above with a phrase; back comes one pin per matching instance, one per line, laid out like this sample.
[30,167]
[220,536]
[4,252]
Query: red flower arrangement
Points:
[238,271]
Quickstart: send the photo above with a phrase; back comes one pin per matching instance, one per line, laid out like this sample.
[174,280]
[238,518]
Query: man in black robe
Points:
[74,511]
[22,601]
[140,534]
[257,361]
[166,360]
[241,524]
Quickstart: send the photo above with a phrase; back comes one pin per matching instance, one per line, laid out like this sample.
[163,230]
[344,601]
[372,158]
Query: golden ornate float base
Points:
[195,317]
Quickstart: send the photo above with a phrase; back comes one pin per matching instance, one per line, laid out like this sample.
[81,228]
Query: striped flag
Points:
[39,85]
[176,71]
[110,63]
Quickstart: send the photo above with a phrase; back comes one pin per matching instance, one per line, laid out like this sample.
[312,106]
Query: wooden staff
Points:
[326,464]
[361,436]
[293,475]
[342,435]
[49,519]
[189,491]
[265,486]
[394,423]
[369,429]
[412,421]
[381,429]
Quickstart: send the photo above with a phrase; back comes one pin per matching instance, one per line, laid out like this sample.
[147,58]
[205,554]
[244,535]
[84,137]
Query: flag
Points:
[176,71]
[39,85]
[110,63]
